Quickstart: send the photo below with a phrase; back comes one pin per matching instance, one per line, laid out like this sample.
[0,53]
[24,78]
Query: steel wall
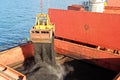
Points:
[92,28]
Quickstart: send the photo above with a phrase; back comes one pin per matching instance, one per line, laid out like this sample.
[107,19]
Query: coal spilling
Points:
[42,37]
[44,53]
[43,65]
[46,65]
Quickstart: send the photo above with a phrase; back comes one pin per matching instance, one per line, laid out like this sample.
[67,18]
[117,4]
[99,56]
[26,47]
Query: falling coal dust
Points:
[43,66]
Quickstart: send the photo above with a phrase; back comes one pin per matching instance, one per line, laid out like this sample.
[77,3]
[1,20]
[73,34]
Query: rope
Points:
[41,6]
[48,3]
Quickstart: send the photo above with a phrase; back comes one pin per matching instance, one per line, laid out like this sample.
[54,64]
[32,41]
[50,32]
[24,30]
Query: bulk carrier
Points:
[92,36]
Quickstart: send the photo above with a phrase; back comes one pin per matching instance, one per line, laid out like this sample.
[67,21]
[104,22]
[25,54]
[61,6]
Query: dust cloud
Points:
[44,66]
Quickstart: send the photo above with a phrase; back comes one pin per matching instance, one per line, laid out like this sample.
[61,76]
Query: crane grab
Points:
[41,35]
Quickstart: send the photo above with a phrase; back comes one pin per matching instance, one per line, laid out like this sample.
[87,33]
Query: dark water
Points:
[18,16]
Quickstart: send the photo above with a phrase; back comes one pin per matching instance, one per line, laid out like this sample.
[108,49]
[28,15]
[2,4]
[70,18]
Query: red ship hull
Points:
[91,28]
[79,33]
[98,57]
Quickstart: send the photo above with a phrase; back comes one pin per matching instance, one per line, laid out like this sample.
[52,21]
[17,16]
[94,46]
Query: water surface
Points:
[18,16]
